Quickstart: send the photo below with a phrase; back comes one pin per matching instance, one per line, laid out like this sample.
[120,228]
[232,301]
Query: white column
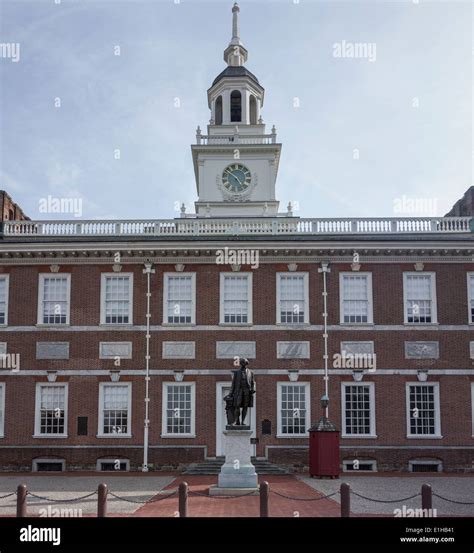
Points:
[226,107]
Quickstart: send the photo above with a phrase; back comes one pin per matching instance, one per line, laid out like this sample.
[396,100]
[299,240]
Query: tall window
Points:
[116,298]
[419,293]
[51,410]
[218,109]
[54,299]
[423,411]
[358,409]
[356,298]
[178,417]
[4,280]
[179,298]
[115,409]
[236,298]
[293,403]
[236,106]
[292,298]
[470,296]
[2,409]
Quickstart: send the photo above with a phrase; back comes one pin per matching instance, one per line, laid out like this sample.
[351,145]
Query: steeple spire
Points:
[235,54]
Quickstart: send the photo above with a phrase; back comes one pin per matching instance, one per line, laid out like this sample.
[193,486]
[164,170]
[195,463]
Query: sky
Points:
[103,102]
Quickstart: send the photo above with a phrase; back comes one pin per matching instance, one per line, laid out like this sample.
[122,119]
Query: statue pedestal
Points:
[237,476]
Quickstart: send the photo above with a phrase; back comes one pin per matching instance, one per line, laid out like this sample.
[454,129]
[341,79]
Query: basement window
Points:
[49,465]
[359,466]
[425,465]
[113,465]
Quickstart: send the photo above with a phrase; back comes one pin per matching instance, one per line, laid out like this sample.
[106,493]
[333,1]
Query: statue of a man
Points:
[240,397]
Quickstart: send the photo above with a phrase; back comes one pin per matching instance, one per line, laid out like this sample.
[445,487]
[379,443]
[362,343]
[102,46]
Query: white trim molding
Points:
[2,409]
[100,418]
[371,387]
[6,278]
[307,423]
[279,276]
[103,281]
[433,299]
[370,302]
[166,278]
[164,409]
[222,278]
[37,430]
[470,297]
[437,411]
[40,311]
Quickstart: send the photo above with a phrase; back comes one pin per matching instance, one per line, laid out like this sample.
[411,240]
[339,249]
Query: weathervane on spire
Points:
[235,24]
[235,54]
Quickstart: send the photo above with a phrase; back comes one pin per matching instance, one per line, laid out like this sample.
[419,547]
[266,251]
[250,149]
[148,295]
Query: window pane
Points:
[292,299]
[55,300]
[180,299]
[422,410]
[3,300]
[178,409]
[471,295]
[293,409]
[355,298]
[117,299]
[357,409]
[115,413]
[52,409]
[418,297]
[236,300]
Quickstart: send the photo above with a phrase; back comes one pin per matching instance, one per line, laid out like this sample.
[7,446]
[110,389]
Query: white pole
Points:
[148,271]
[325,269]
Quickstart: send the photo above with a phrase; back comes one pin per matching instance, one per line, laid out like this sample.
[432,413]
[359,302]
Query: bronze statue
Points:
[240,397]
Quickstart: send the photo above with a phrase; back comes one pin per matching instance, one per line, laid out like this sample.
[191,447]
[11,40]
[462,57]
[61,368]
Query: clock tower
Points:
[236,162]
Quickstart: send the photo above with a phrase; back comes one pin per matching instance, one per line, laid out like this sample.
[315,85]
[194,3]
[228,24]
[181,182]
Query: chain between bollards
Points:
[21,505]
[183,499]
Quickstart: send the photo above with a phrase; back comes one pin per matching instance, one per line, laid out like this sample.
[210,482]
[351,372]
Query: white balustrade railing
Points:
[271,226]
[232,139]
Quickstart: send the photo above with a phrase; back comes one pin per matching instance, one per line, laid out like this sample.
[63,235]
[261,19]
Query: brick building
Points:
[119,337]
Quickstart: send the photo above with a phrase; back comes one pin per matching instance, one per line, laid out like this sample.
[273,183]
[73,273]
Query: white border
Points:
[437,434]
[472,407]
[42,277]
[2,409]
[305,275]
[370,310]
[100,418]
[35,462]
[371,462]
[40,385]
[6,277]
[164,403]
[222,277]
[307,423]
[437,462]
[166,277]
[103,276]
[112,460]
[371,386]
[434,306]
[469,297]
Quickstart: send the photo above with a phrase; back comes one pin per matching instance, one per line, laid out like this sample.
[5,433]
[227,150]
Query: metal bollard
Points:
[183,499]
[264,494]
[21,506]
[102,501]
[345,500]
[426,497]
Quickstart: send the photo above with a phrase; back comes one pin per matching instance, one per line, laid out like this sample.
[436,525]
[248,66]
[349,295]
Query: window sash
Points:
[2,409]
[117,300]
[471,297]
[52,410]
[3,300]
[422,398]
[236,299]
[179,300]
[293,410]
[357,410]
[419,299]
[292,298]
[54,299]
[356,298]
[179,409]
[115,409]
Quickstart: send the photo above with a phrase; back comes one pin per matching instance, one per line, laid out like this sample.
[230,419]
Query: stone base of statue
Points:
[237,476]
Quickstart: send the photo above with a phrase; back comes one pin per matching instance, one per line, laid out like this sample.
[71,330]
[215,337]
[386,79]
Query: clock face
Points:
[236,178]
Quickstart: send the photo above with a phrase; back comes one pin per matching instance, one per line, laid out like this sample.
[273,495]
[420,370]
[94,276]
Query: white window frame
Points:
[2,409]
[42,278]
[414,462]
[164,408]
[469,298]
[40,385]
[100,429]
[307,386]
[371,386]
[437,434]
[371,462]
[370,303]
[48,460]
[166,277]
[222,277]
[434,307]
[306,296]
[6,278]
[112,460]
[103,280]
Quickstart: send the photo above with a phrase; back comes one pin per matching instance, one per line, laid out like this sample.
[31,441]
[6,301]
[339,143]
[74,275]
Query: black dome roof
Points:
[235,71]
